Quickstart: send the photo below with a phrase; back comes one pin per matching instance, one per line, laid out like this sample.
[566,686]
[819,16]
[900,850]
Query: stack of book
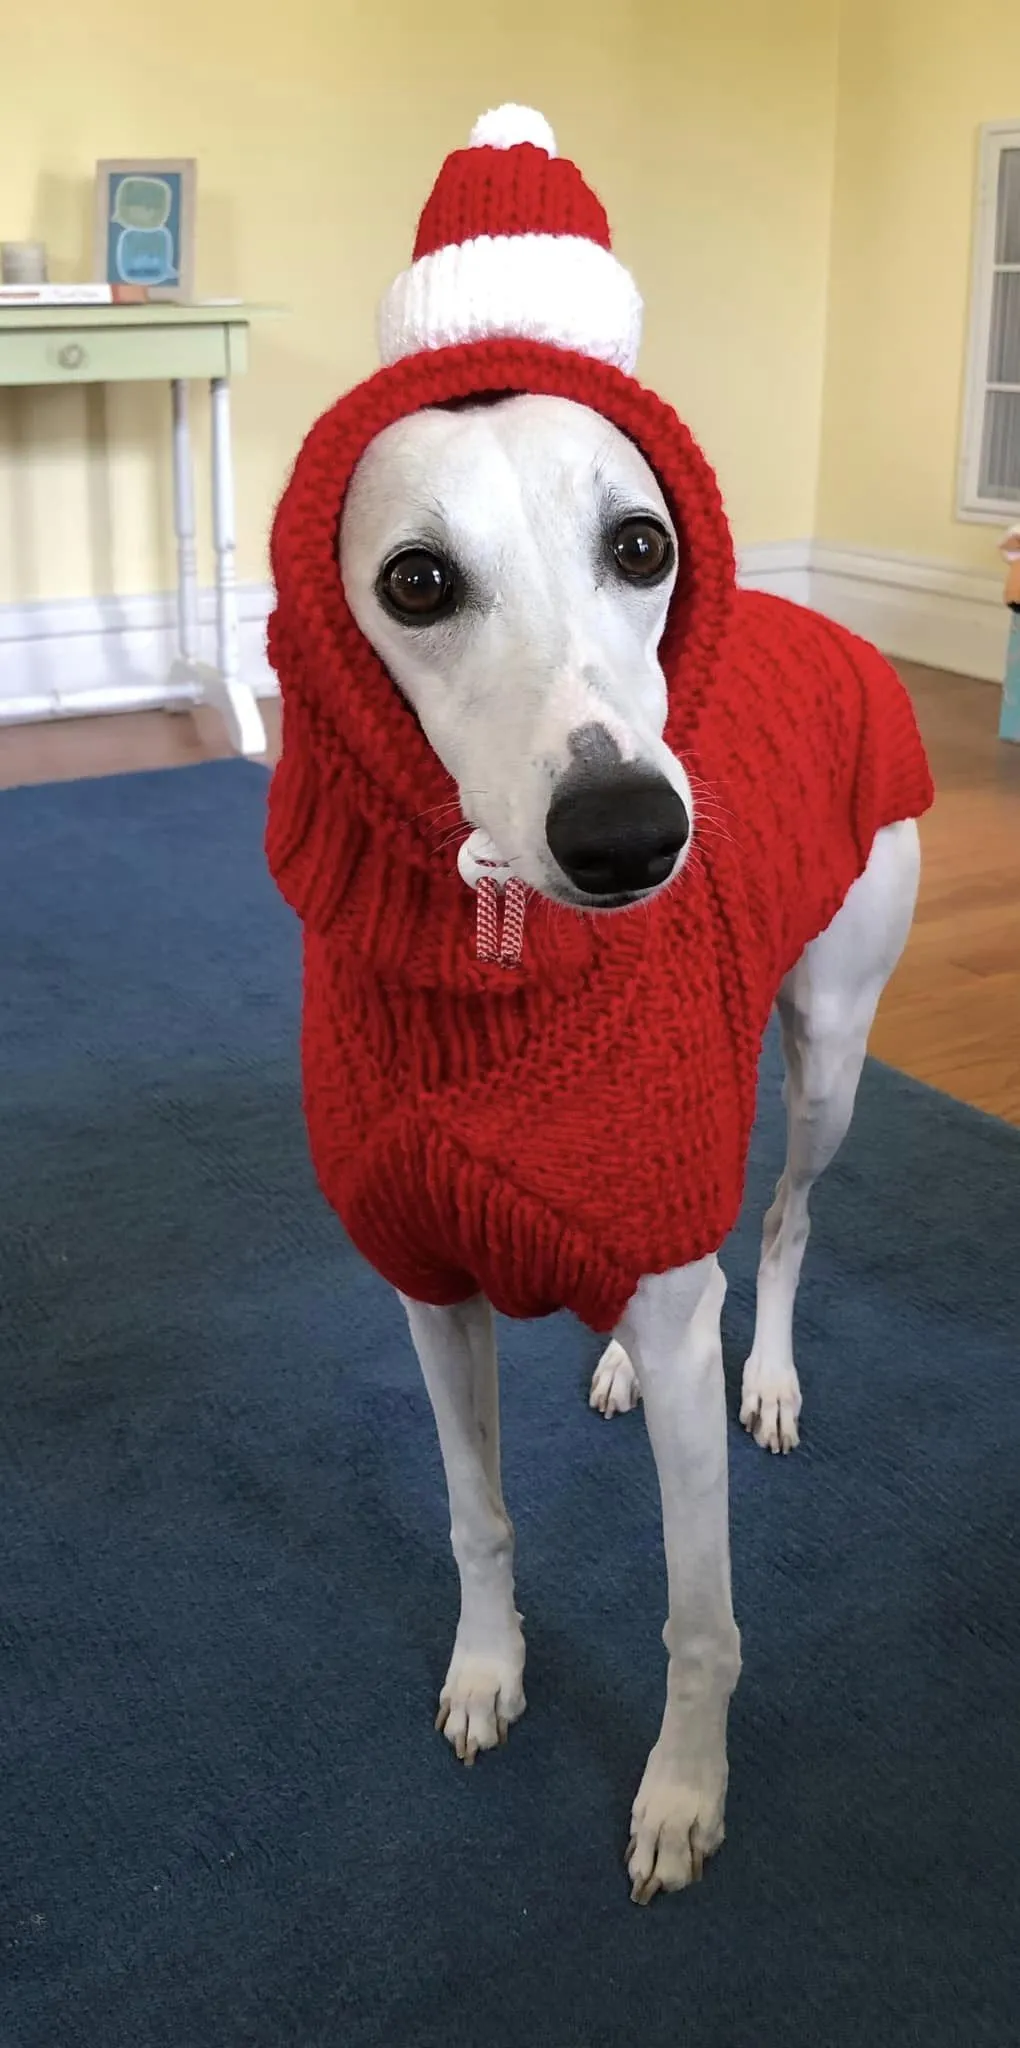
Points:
[73,295]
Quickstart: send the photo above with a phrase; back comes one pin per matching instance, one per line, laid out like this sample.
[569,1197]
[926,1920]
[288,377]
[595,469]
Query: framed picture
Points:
[145,224]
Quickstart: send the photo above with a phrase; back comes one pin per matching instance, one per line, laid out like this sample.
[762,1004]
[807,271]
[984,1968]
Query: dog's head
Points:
[512,566]
[503,569]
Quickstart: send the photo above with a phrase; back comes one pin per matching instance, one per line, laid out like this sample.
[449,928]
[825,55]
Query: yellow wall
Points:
[915,82]
[318,126]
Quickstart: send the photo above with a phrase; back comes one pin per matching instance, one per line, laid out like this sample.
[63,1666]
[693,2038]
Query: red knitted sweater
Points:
[549,1136]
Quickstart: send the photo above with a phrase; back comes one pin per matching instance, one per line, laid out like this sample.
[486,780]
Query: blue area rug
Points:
[227,1599]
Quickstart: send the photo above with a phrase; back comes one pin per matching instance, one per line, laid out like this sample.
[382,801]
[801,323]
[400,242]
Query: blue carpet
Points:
[227,1599]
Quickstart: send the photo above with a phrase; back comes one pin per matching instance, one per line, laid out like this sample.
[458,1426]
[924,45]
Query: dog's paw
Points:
[676,1824]
[483,1693]
[770,1404]
[614,1385]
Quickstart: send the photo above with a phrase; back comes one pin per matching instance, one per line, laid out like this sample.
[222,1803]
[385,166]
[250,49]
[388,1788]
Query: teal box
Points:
[1009,718]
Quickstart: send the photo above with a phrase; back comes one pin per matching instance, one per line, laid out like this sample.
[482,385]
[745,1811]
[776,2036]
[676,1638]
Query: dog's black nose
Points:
[617,833]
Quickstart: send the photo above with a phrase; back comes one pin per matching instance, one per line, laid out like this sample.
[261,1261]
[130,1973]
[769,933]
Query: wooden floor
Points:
[951,1015]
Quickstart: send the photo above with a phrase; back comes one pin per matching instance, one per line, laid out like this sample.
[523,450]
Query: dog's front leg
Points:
[483,1691]
[671,1331]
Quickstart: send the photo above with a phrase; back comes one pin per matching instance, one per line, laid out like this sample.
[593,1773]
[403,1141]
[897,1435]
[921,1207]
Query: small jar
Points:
[23,262]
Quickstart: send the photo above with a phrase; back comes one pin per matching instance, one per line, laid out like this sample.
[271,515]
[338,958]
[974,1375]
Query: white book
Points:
[56,295]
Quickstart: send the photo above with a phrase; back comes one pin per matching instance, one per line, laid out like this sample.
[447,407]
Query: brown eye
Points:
[417,585]
[642,550]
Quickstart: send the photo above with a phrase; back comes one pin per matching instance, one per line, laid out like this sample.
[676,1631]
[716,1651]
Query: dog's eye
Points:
[642,550]
[417,585]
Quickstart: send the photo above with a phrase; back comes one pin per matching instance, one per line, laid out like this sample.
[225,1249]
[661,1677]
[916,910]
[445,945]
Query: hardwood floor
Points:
[66,748]
[951,1015]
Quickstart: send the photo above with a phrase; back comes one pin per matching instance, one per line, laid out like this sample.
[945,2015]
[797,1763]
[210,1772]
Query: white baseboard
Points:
[781,568]
[920,610]
[69,658]
[915,609]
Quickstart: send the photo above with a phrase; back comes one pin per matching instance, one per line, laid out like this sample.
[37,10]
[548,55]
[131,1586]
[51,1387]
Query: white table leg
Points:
[220,685]
[184,528]
[236,700]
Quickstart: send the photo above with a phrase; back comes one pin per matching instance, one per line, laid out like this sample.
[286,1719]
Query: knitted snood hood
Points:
[354,754]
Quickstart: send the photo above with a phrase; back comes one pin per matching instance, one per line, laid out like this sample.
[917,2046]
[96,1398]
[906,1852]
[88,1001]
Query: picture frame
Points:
[145,224]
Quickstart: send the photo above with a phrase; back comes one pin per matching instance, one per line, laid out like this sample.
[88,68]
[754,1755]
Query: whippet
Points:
[466,550]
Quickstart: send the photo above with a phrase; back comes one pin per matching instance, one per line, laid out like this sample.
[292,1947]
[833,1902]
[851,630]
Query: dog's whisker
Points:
[707,808]
[438,813]
[708,805]
[451,803]
[709,830]
[458,835]
[712,818]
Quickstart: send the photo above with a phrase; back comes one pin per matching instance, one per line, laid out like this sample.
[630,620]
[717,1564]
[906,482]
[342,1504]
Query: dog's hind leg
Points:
[826,1009]
[483,1690]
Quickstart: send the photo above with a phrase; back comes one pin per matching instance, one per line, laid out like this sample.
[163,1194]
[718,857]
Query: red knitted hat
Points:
[513,242]
[489,314]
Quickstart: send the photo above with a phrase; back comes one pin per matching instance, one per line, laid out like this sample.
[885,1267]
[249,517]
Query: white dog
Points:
[466,549]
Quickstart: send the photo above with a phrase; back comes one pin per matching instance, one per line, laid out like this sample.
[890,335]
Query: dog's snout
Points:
[617,833]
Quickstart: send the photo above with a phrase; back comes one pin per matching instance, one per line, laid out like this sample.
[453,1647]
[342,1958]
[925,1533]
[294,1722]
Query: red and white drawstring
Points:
[485,871]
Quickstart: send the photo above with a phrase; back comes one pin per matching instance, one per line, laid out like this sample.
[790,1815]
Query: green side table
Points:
[119,344]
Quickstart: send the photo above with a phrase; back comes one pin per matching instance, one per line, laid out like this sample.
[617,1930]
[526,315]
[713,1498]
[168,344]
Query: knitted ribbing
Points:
[508,192]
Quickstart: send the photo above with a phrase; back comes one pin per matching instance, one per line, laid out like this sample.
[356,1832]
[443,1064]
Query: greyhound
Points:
[511,495]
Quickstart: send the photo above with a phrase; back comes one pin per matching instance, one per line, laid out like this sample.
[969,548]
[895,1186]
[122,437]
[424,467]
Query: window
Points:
[990,462]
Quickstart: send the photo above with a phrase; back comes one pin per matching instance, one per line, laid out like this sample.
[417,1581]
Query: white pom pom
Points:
[505,126]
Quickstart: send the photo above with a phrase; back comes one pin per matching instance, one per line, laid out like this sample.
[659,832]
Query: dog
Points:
[517,678]
[514,495]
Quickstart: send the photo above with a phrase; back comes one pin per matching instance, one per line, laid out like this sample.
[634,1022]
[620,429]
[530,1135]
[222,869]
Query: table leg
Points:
[184,528]
[218,685]
[236,700]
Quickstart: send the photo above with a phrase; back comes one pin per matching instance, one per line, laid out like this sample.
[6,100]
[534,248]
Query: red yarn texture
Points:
[508,192]
[550,1136]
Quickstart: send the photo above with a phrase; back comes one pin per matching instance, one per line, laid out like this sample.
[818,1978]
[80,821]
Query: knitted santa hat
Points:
[513,289]
[513,242]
